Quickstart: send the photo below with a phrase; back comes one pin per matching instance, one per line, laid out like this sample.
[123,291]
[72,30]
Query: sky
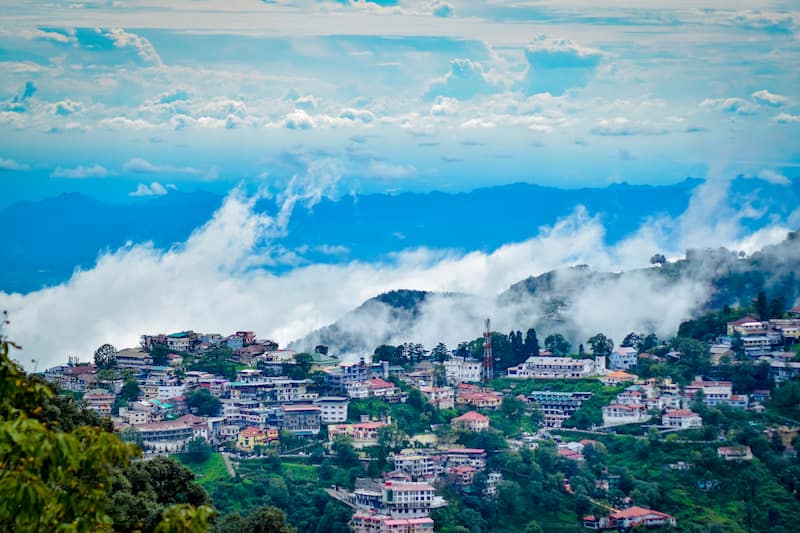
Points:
[125,99]
[299,100]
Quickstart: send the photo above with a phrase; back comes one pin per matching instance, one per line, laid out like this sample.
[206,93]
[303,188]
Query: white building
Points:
[333,409]
[617,414]
[681,419]
[441,397]
[557,368]
[418,466]
[461,370]
[623,358]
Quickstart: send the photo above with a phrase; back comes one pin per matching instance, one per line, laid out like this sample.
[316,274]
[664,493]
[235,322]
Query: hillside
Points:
[576,302]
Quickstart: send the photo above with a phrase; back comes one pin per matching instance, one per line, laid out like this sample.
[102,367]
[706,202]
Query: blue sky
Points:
[127,98]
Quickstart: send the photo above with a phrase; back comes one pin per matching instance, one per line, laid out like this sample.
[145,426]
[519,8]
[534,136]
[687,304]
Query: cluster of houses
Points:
[262,403]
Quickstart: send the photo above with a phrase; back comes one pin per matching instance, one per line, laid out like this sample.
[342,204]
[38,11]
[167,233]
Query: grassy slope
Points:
[207,472]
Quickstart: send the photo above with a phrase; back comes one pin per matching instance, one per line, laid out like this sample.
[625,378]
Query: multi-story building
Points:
[362,434]
[461,370]
[623,358]
[474,457]
[619,414]
[714,393]
[627,519]
[441,397]
[472,421]
[479,399]
[134,358]
[337,378]
[99,400]
[252,436]
[333,409]
[366,522]
[681,419]
[181,341]
[557,368]
[419,466]
[170,436]
[557,407]
[301,419]
[735,453]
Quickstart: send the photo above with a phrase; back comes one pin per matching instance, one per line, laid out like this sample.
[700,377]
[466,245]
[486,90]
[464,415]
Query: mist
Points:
[222,280]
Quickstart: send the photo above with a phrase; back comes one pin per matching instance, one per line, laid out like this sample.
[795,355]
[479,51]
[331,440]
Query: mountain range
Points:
[54,236]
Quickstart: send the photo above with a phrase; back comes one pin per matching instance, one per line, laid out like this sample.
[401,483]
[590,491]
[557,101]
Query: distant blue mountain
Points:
[50,238]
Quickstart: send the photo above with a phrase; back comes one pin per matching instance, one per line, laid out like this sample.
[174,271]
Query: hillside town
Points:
[246,396]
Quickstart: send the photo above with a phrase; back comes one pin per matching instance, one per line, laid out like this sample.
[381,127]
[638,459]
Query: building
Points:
[747,325]
[735,453]
[337,378]
[681,419]
[557,407]
[441,397]
[134,358]
[632,517]
[462,370]
[252,436]
[713,392]
[557,368]
[169,436]
[623,358]
[380,388]
[99,400]
[481,399]
[474,457]
[618,377]
[362,434]
[301,419]
[333,409]
[366,522]
[472,421]
[418,466]
[618,414]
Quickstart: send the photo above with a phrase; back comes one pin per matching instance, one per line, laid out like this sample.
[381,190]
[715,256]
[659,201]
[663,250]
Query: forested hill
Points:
[553,301]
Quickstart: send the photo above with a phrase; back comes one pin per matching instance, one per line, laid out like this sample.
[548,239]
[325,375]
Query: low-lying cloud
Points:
[220,280]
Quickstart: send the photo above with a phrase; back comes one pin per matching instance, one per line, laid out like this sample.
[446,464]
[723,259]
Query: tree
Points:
[512,408]
[159,353]
[762,307]
[105,356]
[385,352]
[204,402]
[556,344]
[132,435]
[531,344]
[130,389]
[302,364]
[631,340]
[658,259]
[440,353]
[777,306]
[198,450]
[601,345]
[321,349]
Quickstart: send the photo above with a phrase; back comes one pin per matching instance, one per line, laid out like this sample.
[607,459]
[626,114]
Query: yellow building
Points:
[251,437]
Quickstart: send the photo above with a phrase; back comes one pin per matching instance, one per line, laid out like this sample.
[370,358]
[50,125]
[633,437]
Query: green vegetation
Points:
[208,471]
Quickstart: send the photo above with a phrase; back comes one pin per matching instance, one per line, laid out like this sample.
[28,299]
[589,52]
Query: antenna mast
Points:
[488,365]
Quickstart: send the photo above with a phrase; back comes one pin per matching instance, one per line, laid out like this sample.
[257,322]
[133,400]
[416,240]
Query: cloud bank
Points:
[221,280]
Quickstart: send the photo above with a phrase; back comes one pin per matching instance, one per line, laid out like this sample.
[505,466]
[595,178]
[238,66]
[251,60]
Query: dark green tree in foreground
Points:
[58,465]
[205,403]
[556,344]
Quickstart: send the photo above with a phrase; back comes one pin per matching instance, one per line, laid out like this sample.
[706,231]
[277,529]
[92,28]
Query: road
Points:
[226,458]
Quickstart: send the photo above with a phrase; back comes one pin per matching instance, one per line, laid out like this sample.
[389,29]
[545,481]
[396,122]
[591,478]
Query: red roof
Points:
[637,512]
[681,413]
[744,320]
[471,416]
[378,383]
[473,451]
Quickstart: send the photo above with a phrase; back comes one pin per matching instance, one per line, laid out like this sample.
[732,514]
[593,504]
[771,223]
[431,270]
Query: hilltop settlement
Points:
[658,433]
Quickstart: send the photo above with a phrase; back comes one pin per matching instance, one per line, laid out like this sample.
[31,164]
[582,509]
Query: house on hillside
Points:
[472,421]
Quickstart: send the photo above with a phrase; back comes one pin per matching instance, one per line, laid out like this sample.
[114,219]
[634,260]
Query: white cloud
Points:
[389,171]
[556,65]
[771,99]
[307,103]
[79,172]
[786,118]
[466,79]
[137,165]
[11,165]
[774,177]
[298,120]
[621,126]
[154,189]
[124,39]
[738,106]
